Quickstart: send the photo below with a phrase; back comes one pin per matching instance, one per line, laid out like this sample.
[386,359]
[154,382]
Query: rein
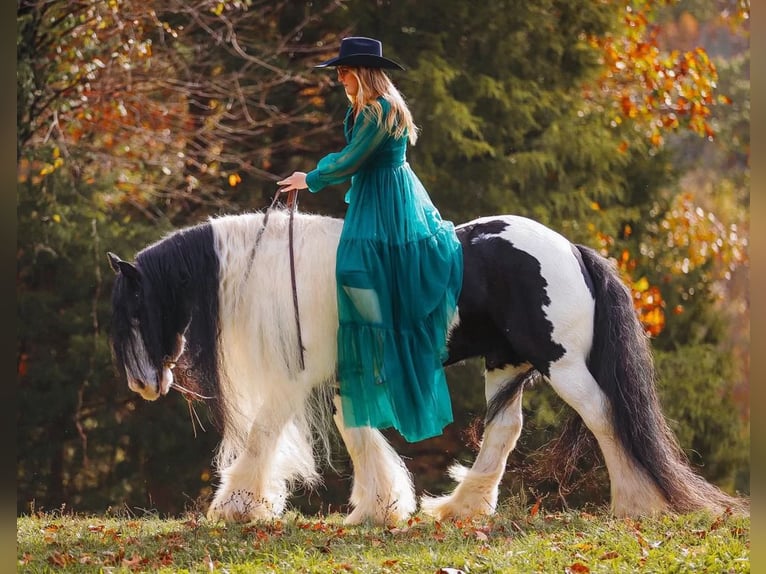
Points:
[292,206]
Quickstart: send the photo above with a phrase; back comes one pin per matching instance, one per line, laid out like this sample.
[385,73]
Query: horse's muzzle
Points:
[148,392]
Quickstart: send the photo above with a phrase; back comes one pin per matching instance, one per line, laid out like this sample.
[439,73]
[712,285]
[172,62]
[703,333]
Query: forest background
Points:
[622,124]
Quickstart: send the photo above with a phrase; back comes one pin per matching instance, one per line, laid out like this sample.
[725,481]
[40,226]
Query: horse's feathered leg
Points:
[633,492]
[255,485]
[382,490]
[477,490]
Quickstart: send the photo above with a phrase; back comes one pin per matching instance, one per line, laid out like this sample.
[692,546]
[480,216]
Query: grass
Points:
[572,542]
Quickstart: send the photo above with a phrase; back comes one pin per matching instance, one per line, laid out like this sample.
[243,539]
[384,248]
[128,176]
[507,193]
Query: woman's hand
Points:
[295,181]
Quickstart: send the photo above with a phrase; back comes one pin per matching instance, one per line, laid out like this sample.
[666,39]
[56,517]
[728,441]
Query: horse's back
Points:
[525,294]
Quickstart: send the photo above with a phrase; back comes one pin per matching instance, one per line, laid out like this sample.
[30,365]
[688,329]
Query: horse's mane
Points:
[182,271]
[259,351]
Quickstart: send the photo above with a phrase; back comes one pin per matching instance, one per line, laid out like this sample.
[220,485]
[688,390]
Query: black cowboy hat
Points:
[359,52]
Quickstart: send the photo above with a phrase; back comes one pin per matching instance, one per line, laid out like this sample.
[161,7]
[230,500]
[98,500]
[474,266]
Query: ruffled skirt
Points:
[399,273]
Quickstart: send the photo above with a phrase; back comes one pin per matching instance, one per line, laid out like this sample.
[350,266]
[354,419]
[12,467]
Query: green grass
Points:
[574,542]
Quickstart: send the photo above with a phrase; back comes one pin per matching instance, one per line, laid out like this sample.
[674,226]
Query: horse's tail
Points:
[621,362]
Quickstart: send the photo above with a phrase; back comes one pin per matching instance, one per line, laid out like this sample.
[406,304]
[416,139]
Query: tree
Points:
[179,105]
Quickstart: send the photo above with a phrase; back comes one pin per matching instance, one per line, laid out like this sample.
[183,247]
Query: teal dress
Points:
[399,271]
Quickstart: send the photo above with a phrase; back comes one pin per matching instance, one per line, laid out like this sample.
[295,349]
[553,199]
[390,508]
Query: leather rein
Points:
[292,206]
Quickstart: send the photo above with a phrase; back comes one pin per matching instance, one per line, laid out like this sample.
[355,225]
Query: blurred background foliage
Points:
[622,124]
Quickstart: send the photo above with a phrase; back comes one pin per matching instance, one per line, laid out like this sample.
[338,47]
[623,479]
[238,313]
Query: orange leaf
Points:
[59,559]
[133,561]
[535,508]
[578,568]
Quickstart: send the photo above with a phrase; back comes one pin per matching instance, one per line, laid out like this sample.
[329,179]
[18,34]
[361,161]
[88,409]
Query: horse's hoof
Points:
[239,507]
[356,517]
[437,507]
[445,507]
[379,518]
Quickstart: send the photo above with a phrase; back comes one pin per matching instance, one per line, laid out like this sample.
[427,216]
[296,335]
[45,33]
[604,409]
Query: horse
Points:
[217,298]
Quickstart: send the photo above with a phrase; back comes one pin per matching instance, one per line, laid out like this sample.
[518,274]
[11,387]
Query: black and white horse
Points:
[532,305]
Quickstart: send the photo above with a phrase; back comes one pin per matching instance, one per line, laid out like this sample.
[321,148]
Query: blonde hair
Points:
[374,83]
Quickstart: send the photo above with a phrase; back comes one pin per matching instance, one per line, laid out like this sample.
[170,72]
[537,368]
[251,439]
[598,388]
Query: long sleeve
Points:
[338,167]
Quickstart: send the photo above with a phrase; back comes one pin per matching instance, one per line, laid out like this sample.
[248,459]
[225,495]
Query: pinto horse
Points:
[217,298]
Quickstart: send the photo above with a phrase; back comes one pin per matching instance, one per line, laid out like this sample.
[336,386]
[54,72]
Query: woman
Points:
[399,265]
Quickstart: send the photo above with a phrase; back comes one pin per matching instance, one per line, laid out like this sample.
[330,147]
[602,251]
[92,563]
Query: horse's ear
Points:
[114,261]
[120,266]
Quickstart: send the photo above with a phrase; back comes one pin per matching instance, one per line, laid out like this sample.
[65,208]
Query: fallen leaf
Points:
[390,562]
[165,557]
[535,508]
[738,531]
[86,559]
[641,540]
[609,555]
[134,561]
[578,568]
[481,535]
[718,522]
[111,533]
[209,563]
[26,558]
[59,559]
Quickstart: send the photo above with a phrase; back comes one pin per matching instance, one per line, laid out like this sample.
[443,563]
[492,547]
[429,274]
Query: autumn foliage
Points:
[658,91]
[687,240]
